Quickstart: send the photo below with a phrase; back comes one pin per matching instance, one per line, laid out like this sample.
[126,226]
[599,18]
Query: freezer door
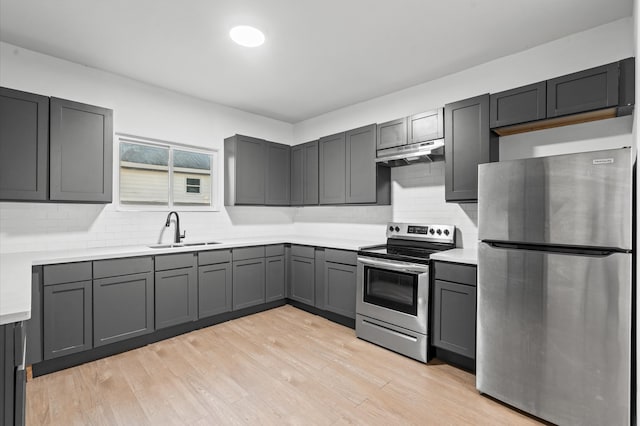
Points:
[577,199]
[554,334]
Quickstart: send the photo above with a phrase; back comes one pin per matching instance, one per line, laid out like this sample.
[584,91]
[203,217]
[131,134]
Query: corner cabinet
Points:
[302,283]
[468,142]
[278,176]
[81,152]
[24,146]
[304,174]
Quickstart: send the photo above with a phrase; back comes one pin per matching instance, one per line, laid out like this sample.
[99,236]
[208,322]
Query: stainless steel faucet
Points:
[177,238]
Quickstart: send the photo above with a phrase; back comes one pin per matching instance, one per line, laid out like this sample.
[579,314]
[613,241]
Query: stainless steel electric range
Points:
[392,305]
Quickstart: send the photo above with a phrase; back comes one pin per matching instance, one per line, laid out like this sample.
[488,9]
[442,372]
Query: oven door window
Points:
[391,289]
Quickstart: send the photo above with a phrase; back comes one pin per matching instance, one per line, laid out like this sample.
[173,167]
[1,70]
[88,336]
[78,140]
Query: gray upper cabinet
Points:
[176,289]
[215,284]
[81,152]
[67,309]
[304,174]
[123,299]
[454,308]
[425,126]
[468,142]
[332,185]
[521,105]
[361,165]
[392,133]
[245,168]
[24,146]
[278,176]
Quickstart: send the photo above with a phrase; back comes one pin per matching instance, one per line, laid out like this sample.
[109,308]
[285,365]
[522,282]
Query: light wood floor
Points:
[283,366]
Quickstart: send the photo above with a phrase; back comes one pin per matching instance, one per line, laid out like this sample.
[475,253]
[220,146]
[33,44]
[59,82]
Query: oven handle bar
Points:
[398,266]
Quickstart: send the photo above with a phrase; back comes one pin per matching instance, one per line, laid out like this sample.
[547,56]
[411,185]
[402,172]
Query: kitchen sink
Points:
[178,245]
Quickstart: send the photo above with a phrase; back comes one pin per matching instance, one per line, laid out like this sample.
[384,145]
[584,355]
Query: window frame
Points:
[171,146]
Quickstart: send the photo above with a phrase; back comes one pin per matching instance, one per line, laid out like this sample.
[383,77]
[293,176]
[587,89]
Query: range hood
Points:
[413,153]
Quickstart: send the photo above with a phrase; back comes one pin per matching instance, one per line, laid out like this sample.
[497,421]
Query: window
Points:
[159,175]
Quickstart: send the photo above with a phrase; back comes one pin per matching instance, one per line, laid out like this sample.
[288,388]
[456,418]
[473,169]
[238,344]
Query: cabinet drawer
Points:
[455,272]
[66,273]
[117,267]
[175,261]
[345,257]
[248,253]
[274,250]
[213,257]
[303,251]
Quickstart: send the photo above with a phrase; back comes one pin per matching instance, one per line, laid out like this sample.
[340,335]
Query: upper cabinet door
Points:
[426,126]
[297,174]
[278,176]
[81,143]
[310,179]
[361,165]
[467,143]
[392,133]
[24,145]
[582,91]
[250,170]
[332,169]
[521,105]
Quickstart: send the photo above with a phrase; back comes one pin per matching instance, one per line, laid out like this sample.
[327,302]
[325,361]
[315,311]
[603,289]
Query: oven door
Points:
[394,292]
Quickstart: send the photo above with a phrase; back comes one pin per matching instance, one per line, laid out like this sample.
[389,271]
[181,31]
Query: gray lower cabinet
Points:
[34,324]
[454,308]
[275,275]
[248,283]
[24,146]
[123,299]
[303,274]
[340,282]
[176,289]
[81,152]
[215,283]
[12,374]
[67,318]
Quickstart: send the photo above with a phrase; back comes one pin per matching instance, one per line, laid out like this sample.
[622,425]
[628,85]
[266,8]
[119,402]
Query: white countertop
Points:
[15,268]
[459,255]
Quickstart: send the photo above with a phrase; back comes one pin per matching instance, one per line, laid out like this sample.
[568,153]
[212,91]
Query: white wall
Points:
[418,190]
[141,110]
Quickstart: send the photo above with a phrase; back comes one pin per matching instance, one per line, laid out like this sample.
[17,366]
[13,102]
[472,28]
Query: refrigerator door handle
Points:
[580,251]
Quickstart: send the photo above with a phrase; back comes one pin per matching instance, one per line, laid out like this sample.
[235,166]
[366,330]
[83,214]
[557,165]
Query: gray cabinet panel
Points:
[360,164]
[311,173]
[303,251]
[215,288]
[125,266]
[213,257]
[582,91]
[392,133]
[426,126]
[245,169]
[7,374]
[248,283]
[245,253]
[176,296]
[303,280]
[81,152]
[297,175]
[319,278]
[467,143]
[34,324]
[340,289]
[278,176]
[24,146]
[527,103]
[175,261]
[332,185]
[346,257]
[67,272]
[454,318]
[122,307]
[67,319]
[274,278]
[455,272]
[274,250]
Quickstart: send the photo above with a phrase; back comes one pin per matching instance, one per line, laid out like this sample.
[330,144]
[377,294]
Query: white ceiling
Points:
[319,55]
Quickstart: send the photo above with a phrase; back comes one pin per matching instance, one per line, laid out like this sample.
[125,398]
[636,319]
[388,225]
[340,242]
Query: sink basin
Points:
[178,245]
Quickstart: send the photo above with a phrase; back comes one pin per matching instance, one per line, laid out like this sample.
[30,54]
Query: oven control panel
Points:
[422,232]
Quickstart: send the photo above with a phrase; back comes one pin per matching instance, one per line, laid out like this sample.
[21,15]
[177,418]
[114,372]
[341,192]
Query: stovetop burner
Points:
[409,242]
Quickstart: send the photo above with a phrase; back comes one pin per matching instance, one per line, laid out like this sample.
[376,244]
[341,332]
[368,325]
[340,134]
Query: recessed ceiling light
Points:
[246,36]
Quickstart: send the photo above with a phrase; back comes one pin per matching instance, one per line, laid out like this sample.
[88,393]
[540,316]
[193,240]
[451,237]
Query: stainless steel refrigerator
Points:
[555,286]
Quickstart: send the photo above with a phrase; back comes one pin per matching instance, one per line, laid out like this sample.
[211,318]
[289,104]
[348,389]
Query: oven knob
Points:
[431,231]
[391,228]
[446,232]
[397,229]
[439,231]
